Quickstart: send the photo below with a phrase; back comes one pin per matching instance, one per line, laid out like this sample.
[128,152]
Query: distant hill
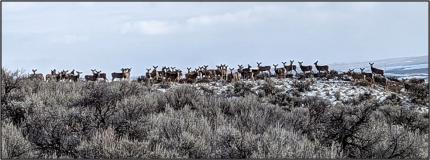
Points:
[405,67]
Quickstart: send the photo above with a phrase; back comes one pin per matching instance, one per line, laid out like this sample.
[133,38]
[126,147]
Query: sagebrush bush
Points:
[14,144]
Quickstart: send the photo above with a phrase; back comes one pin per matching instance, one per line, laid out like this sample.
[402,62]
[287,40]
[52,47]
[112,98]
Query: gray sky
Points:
[109,36]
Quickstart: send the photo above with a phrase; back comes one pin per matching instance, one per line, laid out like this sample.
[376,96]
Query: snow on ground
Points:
[336,91]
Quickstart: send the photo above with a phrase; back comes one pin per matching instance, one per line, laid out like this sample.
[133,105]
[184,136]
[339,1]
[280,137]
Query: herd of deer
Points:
[204,74]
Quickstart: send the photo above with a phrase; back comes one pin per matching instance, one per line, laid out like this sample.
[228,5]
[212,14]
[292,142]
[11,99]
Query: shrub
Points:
[105,145]
[14,145]
[302,86]
[242,88]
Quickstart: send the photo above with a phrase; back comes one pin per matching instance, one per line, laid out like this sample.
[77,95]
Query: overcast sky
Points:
[109,36]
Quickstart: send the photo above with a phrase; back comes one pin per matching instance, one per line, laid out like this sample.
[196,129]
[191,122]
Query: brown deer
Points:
[263,68]
[63,75]
[75,78]
[280,72]
[376,70]
[118,75]
[127,74]
[254,72]
[367,76]
[52,76]
[100,75]
[305,68]
[322,68]
[244,72]
[191,76]
[91,77]
[148,73]
[290,67]
[36,76]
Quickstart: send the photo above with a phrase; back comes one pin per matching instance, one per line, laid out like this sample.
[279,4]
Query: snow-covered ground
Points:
[335,91]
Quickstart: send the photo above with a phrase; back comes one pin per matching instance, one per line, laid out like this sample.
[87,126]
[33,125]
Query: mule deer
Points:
[263,68]
[280,72]
[37,76]
[376,70]
[290,67]
[305,68]
[52,76]
[367,76]
[323,68]
[118,75]
[75,78]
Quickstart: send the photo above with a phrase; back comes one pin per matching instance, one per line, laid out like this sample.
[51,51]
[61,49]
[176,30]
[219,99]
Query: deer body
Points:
[305,68]
[323,68]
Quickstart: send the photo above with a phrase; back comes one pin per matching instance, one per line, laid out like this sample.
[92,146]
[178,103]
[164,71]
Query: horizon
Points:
[87,35]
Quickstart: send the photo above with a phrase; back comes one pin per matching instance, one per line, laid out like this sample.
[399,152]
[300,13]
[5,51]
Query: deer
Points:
[100,75]
[127,74]
[91,77]
[322,68]
[37,76]
[305,68]
[376,70]
[263,68]
[367,76]
[280,72]
[174,75]
[245,72]
[75,78]
[63,75]
[254,72]
[191,76]
[52,76]
[118,75]
[290,67]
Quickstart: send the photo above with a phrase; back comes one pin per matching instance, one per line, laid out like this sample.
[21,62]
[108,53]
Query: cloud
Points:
[151,27]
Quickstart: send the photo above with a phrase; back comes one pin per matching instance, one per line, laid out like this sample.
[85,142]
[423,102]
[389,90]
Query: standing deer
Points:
[367,76]
[100,75]
[305,68]
[91,77]
[127,74]
[322,68]
[52,76]
[244,72]
[36,76]
[290,67]
[263,68]
[118,75]
[376,70]
[280,72]
[75,78]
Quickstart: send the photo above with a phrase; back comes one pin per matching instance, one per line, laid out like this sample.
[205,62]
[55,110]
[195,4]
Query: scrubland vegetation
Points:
[131,119]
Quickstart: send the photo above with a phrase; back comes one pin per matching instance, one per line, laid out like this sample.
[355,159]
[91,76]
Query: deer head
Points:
[34,71]
[316,63]
[300,63]
[258,64]
[275,65]
[371,64]
[283,63]
[292,61]
[249,66]
[240,66]
[362,70]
